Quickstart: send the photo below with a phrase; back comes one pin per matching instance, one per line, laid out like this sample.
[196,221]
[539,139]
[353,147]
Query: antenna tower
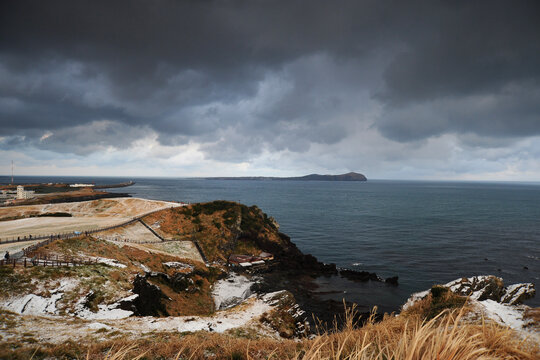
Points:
[11,172]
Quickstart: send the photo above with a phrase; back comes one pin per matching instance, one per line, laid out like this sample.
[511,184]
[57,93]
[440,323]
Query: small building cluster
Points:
[247,261]
[10,196]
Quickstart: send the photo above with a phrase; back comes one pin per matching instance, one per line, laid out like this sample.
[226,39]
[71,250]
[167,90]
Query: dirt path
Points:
[15,247]
[53,225]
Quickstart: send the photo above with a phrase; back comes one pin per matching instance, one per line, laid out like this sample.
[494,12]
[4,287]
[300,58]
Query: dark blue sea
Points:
[424,232]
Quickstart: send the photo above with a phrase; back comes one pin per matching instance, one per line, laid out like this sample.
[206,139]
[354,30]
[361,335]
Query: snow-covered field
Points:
[39,315]
[227,293]
[32,304]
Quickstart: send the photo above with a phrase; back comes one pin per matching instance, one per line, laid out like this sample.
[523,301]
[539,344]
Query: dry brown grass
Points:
[443,337]
[446,336]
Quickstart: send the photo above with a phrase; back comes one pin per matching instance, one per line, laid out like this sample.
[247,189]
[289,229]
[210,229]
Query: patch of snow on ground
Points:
[98,326]
[32,304]
[145,268]
[60,329]
[110,262]
[105,312]
[508,315]
[503,314]
[231,291]
[179,265]
[414,298]
[252,309]
[38,305]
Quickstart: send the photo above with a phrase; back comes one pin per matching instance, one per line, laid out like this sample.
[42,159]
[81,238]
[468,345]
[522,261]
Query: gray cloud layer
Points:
[241,77]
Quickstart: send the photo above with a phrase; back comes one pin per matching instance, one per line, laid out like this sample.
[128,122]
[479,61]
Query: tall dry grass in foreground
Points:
[443,337]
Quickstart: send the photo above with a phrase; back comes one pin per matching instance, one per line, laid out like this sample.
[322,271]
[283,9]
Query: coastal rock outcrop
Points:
[286,316]
[517,293]
[359,275]
[490,299]
[480,288]
[363,276]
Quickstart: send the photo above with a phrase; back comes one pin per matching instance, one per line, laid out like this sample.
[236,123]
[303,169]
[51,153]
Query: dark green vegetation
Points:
[55,214]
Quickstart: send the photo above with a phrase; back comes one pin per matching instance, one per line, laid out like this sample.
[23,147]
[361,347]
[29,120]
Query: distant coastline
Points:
[351,176]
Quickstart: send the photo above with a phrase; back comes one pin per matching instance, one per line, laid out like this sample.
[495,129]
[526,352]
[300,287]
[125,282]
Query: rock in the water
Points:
[359,275]
[392,280]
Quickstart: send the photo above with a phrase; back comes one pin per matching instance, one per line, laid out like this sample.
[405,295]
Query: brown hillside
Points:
[222,228]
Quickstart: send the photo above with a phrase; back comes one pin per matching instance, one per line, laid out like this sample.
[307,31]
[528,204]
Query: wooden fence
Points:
[44,260]
[28,251]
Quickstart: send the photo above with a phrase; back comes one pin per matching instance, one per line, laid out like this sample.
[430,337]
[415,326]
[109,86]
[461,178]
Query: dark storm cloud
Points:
[243,76]
[479,72]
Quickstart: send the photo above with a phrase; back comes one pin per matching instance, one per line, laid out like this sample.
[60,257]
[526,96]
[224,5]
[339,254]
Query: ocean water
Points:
[424,232]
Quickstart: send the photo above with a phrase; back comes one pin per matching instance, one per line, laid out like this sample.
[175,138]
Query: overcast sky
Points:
[391,89]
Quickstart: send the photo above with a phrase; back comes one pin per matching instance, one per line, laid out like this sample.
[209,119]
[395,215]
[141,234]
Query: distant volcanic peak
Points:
[351,176]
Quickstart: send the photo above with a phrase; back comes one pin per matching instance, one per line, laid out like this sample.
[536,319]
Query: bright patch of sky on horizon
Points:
[396,90]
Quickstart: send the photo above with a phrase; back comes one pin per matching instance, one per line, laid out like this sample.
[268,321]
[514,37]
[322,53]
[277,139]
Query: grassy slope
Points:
[222,228]
[109,283]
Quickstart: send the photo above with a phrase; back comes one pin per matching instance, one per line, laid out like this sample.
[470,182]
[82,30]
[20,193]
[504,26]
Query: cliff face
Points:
[223,228]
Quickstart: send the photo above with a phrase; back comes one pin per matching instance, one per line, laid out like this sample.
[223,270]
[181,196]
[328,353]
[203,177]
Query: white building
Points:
[22,194]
